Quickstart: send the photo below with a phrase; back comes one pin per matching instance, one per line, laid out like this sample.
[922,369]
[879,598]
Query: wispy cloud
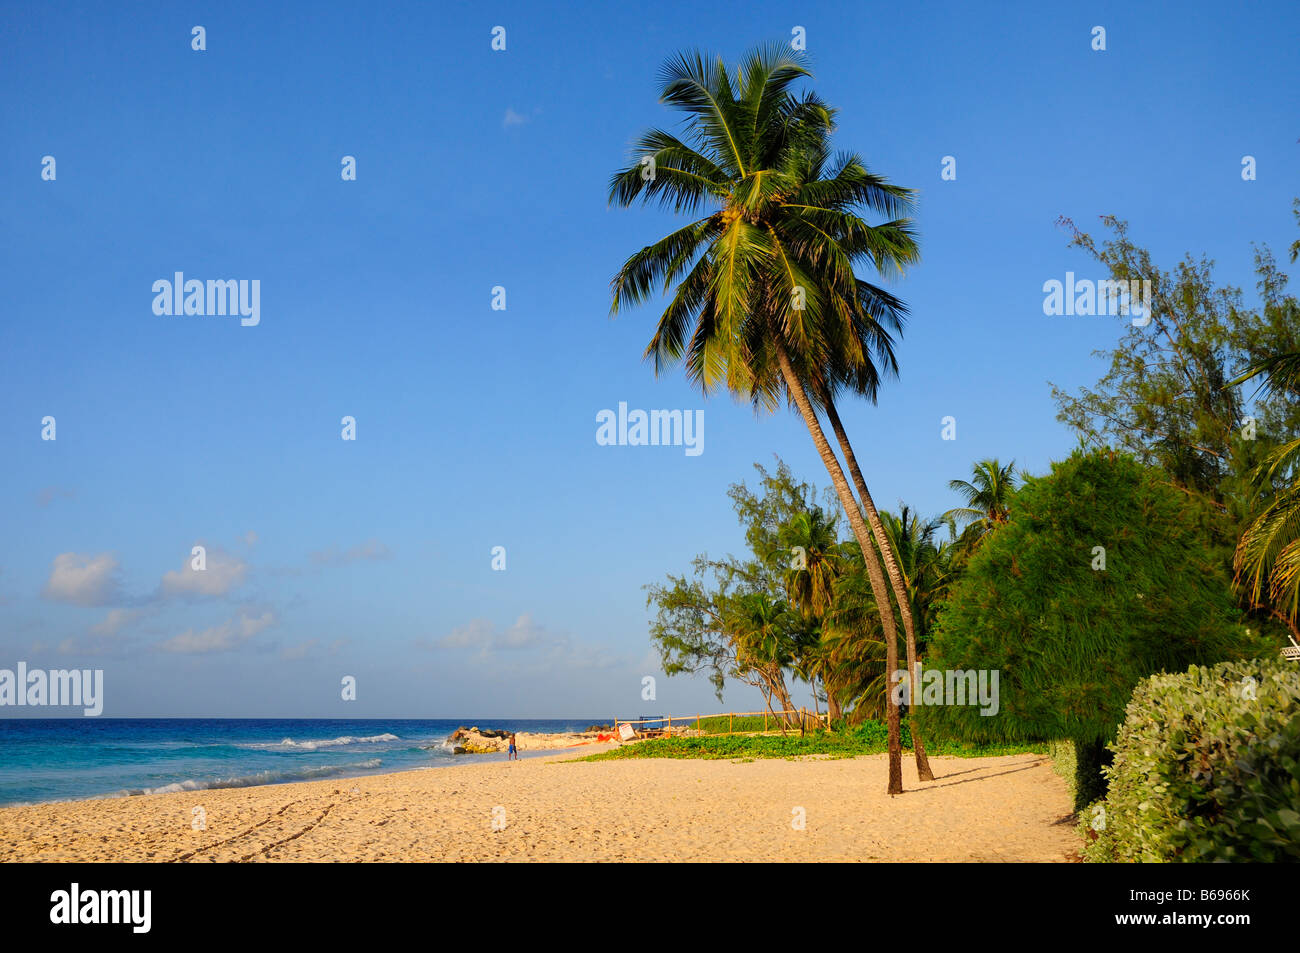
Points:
[482,635]
[106,637]
[49,494]
[116,621]
[311,648]
[300,651]
[371,549]
[526,649]
[222,638]
[513,118]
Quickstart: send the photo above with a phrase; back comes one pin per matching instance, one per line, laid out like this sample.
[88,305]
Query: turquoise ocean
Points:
[73,758]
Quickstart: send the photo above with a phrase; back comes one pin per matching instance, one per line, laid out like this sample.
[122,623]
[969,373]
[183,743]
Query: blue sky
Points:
[476,427]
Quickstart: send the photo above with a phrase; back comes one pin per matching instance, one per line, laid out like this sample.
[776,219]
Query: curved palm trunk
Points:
[895,575]
[771,672]
[863,535]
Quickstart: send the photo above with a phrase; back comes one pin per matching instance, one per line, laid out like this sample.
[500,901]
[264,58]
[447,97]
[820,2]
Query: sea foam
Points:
[313,745]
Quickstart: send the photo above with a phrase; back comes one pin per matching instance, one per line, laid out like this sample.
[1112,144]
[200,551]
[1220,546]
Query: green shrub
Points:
[869,737]
[1203,771]
[1103,575]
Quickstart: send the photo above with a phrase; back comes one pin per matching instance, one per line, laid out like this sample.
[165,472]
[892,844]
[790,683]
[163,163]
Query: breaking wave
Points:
[260,777]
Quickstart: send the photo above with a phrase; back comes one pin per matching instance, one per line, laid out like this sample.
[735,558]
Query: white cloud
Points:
[221,638]
[513,118]
[84,580]
[250,538]
[523,633]
[222,574]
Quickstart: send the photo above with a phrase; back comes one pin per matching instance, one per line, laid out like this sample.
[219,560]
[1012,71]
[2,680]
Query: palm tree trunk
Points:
[787,703]
[895,577]
[817,702]
[833,710]
[878,587]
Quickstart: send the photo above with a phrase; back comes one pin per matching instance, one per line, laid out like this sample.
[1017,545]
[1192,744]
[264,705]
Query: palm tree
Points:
[870,314]
[1267,560]
[874,315]
[926,563]
[811,658]
[896,578]
[988,497]
[810,579]
[810,584]
[766,299]
[853,636]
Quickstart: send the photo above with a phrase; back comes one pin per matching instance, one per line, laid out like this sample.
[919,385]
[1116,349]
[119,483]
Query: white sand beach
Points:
[1011,808]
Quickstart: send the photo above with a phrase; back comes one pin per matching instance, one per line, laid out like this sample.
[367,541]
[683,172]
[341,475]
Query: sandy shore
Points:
[1012,808]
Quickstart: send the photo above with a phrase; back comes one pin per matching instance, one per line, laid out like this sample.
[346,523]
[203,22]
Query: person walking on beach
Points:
[513,753]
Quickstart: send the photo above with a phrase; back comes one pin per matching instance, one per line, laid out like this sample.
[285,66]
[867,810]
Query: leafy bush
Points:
[1064,761]
[1207,768]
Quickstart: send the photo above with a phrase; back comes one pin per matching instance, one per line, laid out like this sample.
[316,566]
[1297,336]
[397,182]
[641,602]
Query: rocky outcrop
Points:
[477,740]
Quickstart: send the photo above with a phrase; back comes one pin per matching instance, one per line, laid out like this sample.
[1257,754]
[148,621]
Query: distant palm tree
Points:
[810,577]
[764,635]
[812,539]
[988,497]
[766,299]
